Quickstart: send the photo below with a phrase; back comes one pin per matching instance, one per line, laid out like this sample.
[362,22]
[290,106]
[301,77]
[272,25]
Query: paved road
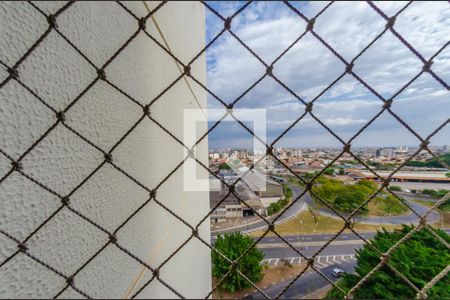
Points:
[315,237]
[422,185]
[306,284]
[321,261]
[292,211]
[306,200]
[308,251]
[346,243]
[340,253]
[409,196]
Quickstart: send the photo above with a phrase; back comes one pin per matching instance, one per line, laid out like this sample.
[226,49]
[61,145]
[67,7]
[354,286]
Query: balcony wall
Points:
[58,74]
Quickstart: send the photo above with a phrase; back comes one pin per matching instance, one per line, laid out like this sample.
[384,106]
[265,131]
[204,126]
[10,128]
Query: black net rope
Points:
[108,154]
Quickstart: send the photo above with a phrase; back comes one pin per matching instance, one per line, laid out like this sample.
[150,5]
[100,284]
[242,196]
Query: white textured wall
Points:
[58,74]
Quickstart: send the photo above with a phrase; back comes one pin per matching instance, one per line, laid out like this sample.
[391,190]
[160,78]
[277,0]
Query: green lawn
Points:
[324,225]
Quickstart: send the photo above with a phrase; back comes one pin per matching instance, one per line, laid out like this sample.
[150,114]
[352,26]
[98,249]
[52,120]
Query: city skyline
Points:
[444,147]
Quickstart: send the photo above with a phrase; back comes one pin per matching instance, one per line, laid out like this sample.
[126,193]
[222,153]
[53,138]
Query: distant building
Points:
[402,149]
[242,154]
[297,153]
[229,206]
[378,152]
[266,189]
[214,155]
[256,191]
[388,153]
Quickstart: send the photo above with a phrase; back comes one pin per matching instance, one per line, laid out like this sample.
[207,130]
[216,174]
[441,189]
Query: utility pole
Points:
[302,235]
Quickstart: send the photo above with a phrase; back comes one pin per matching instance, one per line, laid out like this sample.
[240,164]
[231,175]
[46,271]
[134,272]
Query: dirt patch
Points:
[319,294]
[445,220]
[272,275]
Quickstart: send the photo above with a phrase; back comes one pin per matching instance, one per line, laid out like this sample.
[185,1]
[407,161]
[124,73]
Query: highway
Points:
[306,284]
[335,254]
[306,200]
[315,237]
[343,246]
[308,251]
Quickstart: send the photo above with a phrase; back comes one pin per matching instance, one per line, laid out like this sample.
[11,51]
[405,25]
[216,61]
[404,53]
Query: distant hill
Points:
[430,163]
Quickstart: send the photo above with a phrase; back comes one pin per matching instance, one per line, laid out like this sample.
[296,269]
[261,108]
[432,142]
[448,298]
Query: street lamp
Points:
[303,238]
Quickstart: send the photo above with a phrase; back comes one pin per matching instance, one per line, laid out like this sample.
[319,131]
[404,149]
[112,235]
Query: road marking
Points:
[321,264]
[320,261]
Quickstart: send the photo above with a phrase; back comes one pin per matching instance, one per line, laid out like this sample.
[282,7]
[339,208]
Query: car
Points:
[337,272]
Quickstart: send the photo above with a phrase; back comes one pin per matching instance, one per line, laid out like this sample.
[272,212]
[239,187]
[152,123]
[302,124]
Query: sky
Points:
[268,28]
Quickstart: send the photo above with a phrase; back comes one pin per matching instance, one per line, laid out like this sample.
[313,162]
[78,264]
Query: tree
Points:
[432,162]
[274,208]
[419,258]
[232,246]
[445,206]
[447,174]
[429,192]
[395,188]
[435,193]
[307,175]
[329,171]
[224,166]
[347,197]
[341,171]
[315,214]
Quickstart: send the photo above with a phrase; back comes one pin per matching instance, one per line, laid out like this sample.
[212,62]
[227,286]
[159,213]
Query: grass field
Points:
[324,225]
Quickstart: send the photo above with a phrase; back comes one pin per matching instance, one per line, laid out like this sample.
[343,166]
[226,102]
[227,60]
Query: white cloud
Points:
[345,121]
[269,27]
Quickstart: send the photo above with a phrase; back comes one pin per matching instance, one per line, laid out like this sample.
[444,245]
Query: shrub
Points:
[419,259]
[395,188]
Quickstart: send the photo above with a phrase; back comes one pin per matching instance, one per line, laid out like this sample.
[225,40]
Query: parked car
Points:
[337,272]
